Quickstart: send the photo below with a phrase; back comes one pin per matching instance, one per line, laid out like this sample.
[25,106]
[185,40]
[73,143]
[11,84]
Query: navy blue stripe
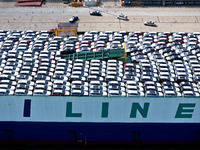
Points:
[99,132]
[27,108]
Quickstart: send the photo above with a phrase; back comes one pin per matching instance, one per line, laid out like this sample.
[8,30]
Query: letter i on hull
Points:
[105,107]
[27,108]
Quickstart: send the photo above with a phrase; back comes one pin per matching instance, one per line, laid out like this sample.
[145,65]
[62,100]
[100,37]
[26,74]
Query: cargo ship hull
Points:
[99,119]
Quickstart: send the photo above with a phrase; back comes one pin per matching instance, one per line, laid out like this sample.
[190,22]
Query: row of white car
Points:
[51,68]
[97,88]
[33,57]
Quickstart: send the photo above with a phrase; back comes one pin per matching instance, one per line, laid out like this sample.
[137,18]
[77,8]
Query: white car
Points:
[150,23]
[23,92]
[73,19]
[7,86]
[60,93]
[172,93]
[153,93]
[133,93]
[122,17]
[113,93]
[41,92]
[6,92]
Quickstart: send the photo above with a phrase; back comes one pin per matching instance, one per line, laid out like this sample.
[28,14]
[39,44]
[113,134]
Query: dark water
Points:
[100,147]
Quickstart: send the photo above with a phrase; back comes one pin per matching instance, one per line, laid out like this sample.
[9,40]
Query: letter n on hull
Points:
[137,108]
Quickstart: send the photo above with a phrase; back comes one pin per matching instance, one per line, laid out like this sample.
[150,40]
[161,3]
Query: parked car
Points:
[134,93]
[73,19]
[150,23]
[122,17]
[95,13]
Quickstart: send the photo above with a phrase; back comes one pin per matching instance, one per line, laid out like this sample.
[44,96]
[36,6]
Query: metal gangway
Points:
[104,55]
